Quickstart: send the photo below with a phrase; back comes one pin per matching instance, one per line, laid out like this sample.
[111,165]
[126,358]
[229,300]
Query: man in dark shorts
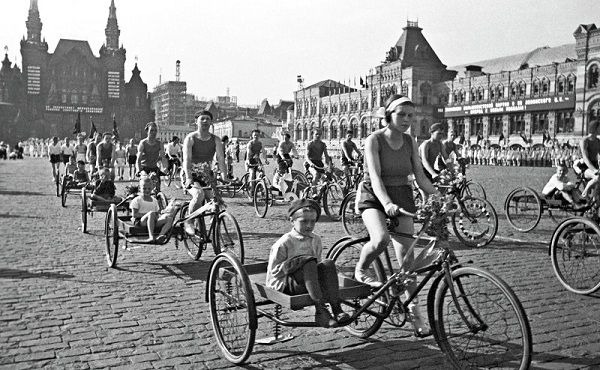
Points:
[348,148]
[105,154]
[284,149]
[315,150]
[66,151]
[254,154]
[131,151]
[54,150]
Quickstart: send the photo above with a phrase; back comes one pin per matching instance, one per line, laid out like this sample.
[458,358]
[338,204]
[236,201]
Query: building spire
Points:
[34,23]
[112,28]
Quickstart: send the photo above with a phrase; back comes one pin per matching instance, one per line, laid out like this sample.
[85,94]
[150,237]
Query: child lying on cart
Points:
[560,187]
[104,189]
[146,211]
[295,265]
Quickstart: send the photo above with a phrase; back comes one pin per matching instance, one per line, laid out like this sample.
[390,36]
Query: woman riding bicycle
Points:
[391,156]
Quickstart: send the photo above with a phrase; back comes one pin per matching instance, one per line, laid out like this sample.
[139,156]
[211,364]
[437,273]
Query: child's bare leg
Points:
[567,196]
[165,223]
[150,220]
[311,282]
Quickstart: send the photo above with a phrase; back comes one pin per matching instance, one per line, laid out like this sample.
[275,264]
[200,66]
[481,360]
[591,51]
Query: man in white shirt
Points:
[173,152]
[66,151]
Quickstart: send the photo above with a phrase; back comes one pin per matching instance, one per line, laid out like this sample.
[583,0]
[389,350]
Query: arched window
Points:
[594,111]
[354,127]
[334,130]
[545,86]
[462,96]
[536,87]
[476,126]
[593,76]
[560,85]
[522,89]
[500,91]
[513,90]
[473,94]
[571,84]
[479,93]
[363,128]
[405,89]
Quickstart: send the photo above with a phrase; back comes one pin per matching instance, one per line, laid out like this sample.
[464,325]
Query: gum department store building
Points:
[549,92]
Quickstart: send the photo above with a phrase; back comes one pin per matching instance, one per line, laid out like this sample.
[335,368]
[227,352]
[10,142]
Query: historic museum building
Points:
[550,92]
[52,89]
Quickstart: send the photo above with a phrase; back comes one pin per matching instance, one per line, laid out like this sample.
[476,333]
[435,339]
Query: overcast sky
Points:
[256,48]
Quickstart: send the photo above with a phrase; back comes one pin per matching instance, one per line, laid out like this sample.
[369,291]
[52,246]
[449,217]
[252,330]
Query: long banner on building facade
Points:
[512,106]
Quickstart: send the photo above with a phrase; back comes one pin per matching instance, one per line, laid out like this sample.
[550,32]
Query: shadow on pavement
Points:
[197,270]
[24,274]
[6,215]
[12,192]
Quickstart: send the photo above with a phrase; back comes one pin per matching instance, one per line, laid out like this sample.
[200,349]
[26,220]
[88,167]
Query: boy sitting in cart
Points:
[104,189]
[295,265]
[81,177]
[561,188]
[146,211]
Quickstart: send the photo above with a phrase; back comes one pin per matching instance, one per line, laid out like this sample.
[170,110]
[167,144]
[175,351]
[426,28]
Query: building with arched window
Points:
[547,93]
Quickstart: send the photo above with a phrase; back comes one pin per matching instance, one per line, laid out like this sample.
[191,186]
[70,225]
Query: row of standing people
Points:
[532,157]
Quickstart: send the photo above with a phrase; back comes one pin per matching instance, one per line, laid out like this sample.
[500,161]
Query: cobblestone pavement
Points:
[61,307]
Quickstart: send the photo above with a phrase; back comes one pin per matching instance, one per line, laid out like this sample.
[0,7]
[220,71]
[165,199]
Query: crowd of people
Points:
[392,160]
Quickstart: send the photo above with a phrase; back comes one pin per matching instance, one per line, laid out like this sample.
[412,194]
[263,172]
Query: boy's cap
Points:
[304,203]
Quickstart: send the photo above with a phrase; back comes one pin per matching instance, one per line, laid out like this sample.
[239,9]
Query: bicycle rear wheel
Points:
[332,201]
[228,236]
[346,257]
[194,244]
[476,223]
[496,333]
[575,253]
[523,209]
[351,220]
[232,308]
[169,177]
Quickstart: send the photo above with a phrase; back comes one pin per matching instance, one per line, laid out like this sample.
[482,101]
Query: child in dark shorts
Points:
[104,189]
[295,265]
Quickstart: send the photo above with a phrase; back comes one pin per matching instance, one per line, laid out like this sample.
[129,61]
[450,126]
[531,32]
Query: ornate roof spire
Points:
[112,28]
[34,23]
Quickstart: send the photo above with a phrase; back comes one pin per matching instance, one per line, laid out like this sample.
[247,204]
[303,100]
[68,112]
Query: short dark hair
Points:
[349,132]
[287,136]
[175,138]
[149,124]
[225,138]
[593,126]
[81,162]
[203,113]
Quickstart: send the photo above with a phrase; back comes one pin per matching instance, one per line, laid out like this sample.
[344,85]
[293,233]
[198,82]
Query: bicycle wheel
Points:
[64,191]
[245,188]
[341,240]
[111,233]
[163,201]
[194,244]
[346,257]
[351,220]
[228,236]
[473,189]
[297,175]
[558,215]
[84,211]
[332,201]
[261,198]
[493,330]
[168,177]
[476,223]
[232,308]
[523,208]
[575,253]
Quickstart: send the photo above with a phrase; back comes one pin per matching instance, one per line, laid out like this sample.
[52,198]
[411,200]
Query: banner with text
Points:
[512,106]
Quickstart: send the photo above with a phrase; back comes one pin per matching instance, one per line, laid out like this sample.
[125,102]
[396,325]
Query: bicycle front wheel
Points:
[473,189]
[261,198]
[476,223]
[486,327]
[228,236]
[575,252]
[169,177]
